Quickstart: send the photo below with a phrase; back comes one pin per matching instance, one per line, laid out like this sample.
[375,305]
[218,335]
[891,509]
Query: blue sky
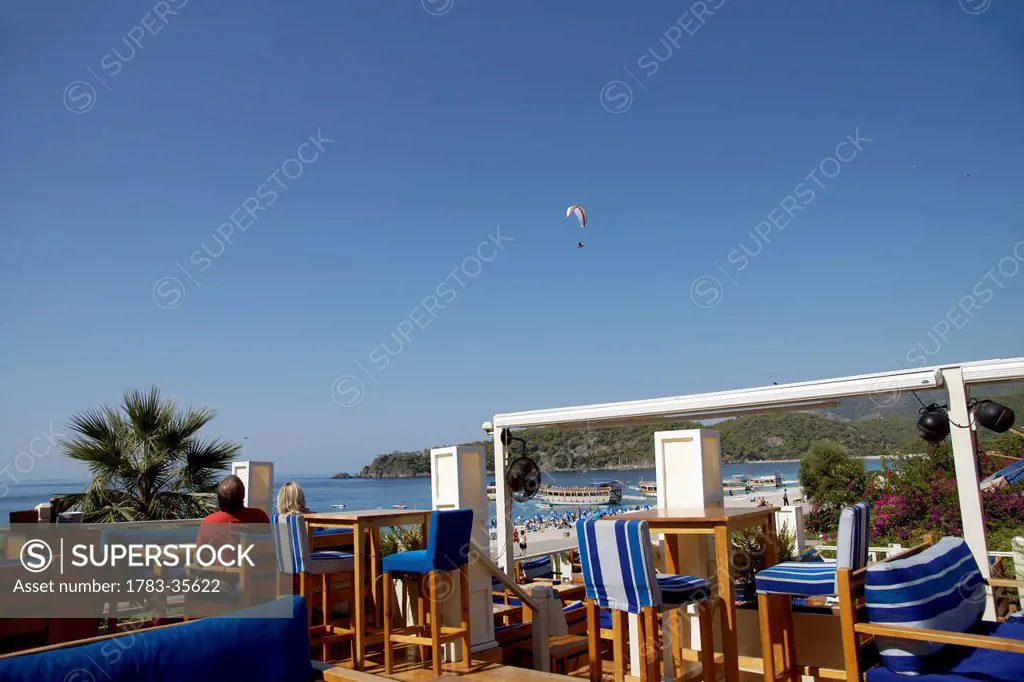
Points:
[444,127]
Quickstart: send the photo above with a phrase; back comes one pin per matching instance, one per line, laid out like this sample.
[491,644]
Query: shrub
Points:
[401,539]
[748,550]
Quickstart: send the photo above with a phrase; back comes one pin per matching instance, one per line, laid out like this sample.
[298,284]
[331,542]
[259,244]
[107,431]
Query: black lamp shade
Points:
[933,426]
[993,416]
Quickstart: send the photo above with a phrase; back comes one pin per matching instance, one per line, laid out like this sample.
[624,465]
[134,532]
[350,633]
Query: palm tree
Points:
[147,461]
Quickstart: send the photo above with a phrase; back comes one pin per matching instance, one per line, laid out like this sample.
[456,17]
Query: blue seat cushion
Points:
[413,561]
[332,531]
[330,561]
[969,665]
[681,589]
[538,568]
[804,578]
[267,643]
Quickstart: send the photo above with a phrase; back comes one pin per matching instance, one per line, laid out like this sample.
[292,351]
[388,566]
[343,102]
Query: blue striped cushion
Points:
[811,578]
[940,589]
[618,564]
[538,568]
[291,546]
[682,589]
[854,533]
[291,543]
[618,568]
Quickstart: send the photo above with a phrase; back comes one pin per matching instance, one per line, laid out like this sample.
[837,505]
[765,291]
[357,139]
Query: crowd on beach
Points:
[565,520]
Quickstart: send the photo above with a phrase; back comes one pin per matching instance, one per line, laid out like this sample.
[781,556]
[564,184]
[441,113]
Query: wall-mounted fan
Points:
[523,474]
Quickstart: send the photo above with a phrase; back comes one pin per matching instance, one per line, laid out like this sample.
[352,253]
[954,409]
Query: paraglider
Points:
[579,212]
[581,215]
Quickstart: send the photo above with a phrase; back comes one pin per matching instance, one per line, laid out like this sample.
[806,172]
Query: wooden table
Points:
[367,521]
[562,591]
[718,522]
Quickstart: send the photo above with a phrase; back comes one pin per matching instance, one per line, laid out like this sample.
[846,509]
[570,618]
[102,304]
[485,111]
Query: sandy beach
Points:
[549,540]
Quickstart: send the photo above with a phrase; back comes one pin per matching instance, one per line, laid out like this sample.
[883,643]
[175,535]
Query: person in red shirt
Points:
[230,500]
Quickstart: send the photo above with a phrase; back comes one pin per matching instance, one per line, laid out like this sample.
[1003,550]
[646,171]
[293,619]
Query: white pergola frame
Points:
[956,378]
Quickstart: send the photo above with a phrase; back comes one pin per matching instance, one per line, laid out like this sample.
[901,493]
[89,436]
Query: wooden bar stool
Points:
[447,551]
[294,558]
[777,585]
[618,571]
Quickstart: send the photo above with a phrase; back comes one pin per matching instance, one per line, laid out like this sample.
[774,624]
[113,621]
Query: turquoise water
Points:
[357,493]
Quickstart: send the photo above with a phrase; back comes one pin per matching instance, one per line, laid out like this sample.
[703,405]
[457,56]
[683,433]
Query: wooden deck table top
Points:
[699,517]
[379,517]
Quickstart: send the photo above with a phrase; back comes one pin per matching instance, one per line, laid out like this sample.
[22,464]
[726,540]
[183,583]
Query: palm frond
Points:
[205,461]
[147,460]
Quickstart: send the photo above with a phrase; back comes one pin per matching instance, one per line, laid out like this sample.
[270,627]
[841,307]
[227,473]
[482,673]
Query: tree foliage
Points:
[147,460]
[831,477]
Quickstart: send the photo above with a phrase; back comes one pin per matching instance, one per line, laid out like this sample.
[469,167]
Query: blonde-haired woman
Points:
[291,499]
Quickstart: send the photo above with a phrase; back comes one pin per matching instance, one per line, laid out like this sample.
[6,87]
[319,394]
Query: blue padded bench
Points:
[540,568]
[247,646]
[918,603]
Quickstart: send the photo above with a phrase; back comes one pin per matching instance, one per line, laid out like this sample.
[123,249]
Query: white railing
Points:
[879,553]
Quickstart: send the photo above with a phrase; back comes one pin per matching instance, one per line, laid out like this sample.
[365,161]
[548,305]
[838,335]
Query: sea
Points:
[374,493]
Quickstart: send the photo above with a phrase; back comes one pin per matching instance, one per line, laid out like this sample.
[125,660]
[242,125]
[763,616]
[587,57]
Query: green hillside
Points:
[878,431]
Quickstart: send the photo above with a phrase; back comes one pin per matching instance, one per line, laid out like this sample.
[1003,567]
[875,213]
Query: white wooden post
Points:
[45,511]
[542,627]
[502,506]
[688,467]
[458,477]
[967,479]
[1017,544]
[793,519]
[258,479]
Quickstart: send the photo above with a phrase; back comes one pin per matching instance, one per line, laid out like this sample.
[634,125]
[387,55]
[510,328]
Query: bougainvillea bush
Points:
[914,496]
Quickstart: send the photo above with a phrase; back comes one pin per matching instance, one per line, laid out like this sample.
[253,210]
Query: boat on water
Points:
[492,491]
[767,481]
[605,492]
[649,488]
[403,505]
[337,506]
[739,483]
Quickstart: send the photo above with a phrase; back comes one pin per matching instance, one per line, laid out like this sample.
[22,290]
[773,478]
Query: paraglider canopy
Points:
[581,215]
[579,212]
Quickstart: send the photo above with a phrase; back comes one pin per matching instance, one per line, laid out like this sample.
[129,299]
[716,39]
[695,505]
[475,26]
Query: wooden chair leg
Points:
[641,633]
[435,623]
[706,622]
[325,614]
[594,640]
[764,606]
[788,637]
[421,616]
[305,588]
[653,645]
[389,663]
[464,609]
[620,647]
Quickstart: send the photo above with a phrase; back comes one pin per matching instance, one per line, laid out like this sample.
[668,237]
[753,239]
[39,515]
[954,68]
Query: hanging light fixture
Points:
[933,424]
[993,416]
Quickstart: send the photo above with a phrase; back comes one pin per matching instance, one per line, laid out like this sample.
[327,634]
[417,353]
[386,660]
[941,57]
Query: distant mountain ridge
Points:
[867,427]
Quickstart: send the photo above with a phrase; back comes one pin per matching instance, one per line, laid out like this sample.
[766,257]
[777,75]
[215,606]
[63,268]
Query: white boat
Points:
[609,492]
[400,506]
[738,483]
[648,488]
[492,491]
[337,506]
[769,481]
